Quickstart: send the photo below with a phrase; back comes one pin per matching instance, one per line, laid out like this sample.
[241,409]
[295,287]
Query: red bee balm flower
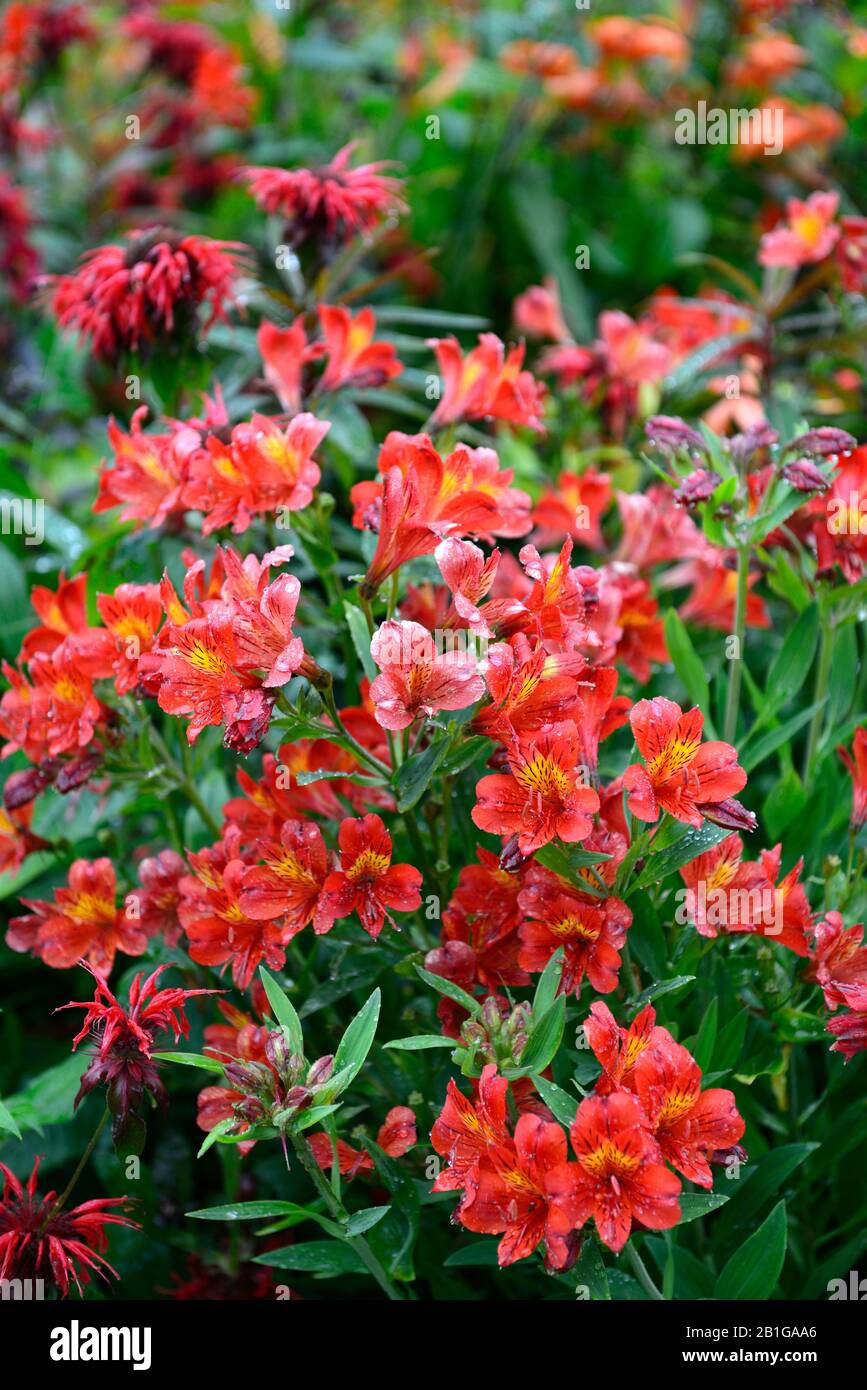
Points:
[37,1241]
[543,797]
[125,297]
[336,200]
[367,882]
[619,1177]
[123,1061]
[682,774]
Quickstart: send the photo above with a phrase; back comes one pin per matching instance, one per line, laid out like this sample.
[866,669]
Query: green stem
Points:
[642,1275]
[363,754]
[184,782]
[736,669]
[339,1213]
[820,690]
[82,1164]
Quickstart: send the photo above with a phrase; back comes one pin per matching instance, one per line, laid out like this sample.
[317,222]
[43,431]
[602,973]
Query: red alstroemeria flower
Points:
[479,934]
[711,880]
[538,311]
[126,297]
[528,688]
[264,468]
[335,201]
[617,1049]
[808,234]
[487,383]
[353,356]
[147,472]
[132,615]
[573,508]
[196,675]
[463,1132]
[682,774]
[641,639]
[838,957]
[856,765]
[155,900]
[590,930]
[417,679]
[469,576]
[367,881]
[290,883]
[284,352]
[62,613]
[82,923]
[422,498]
[776,908]
[396,1136]
[837,528]
[599,711]
[16,840]
[40,1241]
[689,1124]
[210,913]
[123,1061]
[619,1177]
[71,711]
[544,797]
[508,1192]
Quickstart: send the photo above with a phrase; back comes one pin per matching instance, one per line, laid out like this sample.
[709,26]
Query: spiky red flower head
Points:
[126,297]
[335,200]
[37,1241]
[125,1037]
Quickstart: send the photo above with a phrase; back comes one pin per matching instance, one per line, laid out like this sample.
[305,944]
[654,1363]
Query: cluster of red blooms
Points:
[648,1110]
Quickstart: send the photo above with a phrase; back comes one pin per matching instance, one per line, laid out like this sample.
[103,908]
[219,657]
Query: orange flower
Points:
[353,357]
[367,881]
[543,796]
[682,775]
[83,922]
[487,383]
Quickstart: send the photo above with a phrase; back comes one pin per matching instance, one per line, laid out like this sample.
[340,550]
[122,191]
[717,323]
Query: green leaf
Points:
[327,1258]
[663,987]
[190,1059]
[250,1211]
[284,1012]
[449,989]
[763,1181]
[545,1038]
[687,664]
[7,1121]
[686,848]
[702,1050]
[361,1221]
[567,860]
[590,1273]
[696,1204]
[793,661]
[415,774]
[753,1271]
[420,1043]
[752,755]
[357,1041]
[481,1254]
[558,1101]
[546,988]
[358,631]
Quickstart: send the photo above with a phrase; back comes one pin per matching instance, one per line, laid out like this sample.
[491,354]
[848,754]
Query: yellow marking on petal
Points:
[205,659]
[607,1158]
[369,865]
[544,776]
[89,907]
[571,927]
[675,755]
[676,1104]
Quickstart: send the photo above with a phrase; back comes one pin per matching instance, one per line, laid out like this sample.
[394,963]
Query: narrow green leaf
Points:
[689,667]
[358,631]
[190,1059]
[753,1270]
[357,1041]
[449,989]
[361,1221]
[558,1101]
[250,1211]
[284,1012]
[545,1038]
[420,1043]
